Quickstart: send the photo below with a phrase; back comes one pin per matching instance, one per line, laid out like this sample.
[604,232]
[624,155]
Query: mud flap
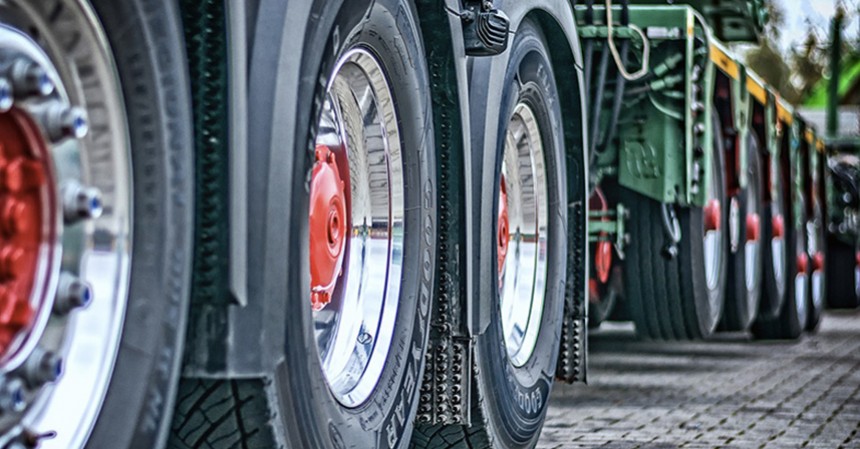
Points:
[573,351]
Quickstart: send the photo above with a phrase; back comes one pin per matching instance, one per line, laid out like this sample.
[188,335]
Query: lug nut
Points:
[72,293]
[7,98]
[61,122]
[42,367]
[80,203]
[28,78]
[12,396]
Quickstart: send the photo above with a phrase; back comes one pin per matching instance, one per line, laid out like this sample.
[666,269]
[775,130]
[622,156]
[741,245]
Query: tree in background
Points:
[796,74]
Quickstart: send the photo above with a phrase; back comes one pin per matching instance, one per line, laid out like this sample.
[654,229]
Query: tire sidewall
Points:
[517,396]
[709,302]
[152,69]
[745,301]
[385,418]
[774,292]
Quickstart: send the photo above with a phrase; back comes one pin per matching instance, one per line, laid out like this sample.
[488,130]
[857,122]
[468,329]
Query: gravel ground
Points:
[726,393]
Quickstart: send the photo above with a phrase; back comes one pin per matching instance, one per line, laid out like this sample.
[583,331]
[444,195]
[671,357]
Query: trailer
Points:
[379,223]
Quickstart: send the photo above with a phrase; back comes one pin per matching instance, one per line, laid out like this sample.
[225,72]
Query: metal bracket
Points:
[615,227]
[486,30]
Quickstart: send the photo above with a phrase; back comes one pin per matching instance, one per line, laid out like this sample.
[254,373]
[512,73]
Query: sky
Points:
[816,12]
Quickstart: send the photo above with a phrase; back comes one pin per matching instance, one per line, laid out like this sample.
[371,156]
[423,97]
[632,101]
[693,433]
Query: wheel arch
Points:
[556,20]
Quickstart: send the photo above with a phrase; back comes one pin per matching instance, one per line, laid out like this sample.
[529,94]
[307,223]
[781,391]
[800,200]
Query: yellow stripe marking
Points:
[757,91]
[724,62]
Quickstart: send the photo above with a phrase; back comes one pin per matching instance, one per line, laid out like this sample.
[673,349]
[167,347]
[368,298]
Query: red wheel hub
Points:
[328,224]
[778,224]
[27,200]
[753,228]
[802,263]
[818,261]
[504,226]
[603,248]
[713,215]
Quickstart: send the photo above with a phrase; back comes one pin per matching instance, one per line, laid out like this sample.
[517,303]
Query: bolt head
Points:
[81,203]
[28,78]
[7,98]
[12,396]
[72,293]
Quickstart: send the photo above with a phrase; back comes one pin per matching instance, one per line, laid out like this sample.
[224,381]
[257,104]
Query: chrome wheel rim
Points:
[813,233]
[800,281]
[523,269]
[713,233]
[354,327]
[752,246]
[90,252]
[777,229]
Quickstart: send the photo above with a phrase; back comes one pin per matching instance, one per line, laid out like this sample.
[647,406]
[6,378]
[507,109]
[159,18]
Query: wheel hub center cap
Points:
[504,226]
[753,227]
[713,215]
[327,226]
[26,202]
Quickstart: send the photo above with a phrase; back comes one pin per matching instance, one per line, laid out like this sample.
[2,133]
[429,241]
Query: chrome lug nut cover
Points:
[80,202]
[12,396]
[62,122]
[42,367]
[7,99]
[28,78]
[72,293]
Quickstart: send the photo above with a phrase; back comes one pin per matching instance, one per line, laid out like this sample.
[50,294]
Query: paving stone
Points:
[731,393]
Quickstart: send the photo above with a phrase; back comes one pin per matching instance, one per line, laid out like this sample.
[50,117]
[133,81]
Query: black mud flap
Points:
[573,351]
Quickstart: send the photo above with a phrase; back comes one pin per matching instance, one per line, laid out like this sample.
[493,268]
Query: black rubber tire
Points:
[790,322]
[509,403]
[815,229]
[773,291]
[843,290]
[604,308]
[742,301]
[668,298]
[293,405]
[148,48]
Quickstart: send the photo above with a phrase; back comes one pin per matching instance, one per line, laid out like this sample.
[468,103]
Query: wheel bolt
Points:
[62,122]
[42,367]
[72,293]
[28,78]
[7,98]
[12,395]
[81,203]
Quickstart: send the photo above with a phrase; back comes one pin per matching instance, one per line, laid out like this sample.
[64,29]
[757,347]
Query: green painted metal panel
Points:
[731,20]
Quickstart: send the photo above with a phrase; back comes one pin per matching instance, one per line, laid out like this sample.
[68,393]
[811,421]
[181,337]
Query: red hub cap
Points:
[504,226]
[753,228]
[778,224]
[713,215]
[818,261]
[26,202]
[802,263]
[328,222]
[603,248]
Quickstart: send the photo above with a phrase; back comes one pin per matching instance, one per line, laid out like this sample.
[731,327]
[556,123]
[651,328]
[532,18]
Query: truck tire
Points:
[774,269]
[793,316]
[604,298]
[743,291]
[109,155]
[843,274]
[351,223]
[678,296]
[516,355]
[816,256]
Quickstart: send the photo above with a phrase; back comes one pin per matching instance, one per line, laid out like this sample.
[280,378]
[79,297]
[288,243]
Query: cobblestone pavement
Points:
[729,393]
